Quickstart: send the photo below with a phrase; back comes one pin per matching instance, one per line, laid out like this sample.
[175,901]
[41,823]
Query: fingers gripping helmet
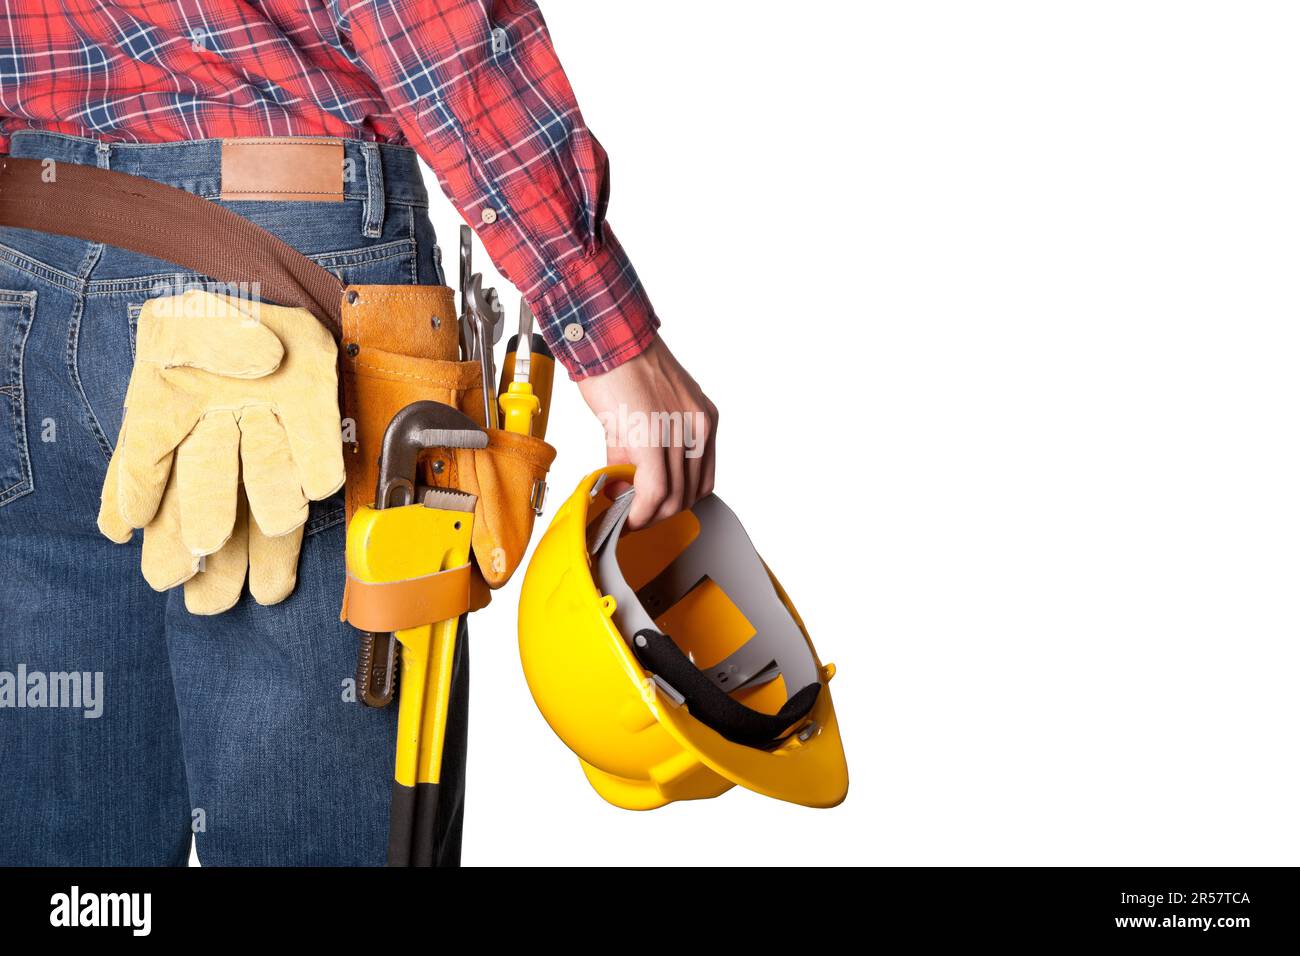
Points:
[671,661]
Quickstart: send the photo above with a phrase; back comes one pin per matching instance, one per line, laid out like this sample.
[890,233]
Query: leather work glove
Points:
[213,583]
[222,385]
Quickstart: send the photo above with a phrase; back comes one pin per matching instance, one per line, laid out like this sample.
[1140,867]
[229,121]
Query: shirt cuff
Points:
[598,315]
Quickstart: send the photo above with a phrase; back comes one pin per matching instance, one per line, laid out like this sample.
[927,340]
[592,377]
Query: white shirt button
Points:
[573,332]
[488,215]
[500,40]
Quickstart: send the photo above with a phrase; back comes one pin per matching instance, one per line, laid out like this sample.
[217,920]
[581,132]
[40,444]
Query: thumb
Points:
[215,333]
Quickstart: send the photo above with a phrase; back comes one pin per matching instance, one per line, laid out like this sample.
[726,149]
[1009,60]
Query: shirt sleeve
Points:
[478,90]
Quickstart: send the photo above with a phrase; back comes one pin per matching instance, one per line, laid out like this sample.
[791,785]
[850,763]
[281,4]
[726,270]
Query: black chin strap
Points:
[712,706]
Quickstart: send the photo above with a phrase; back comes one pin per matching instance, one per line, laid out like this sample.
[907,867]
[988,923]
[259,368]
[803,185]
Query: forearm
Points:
[484,100]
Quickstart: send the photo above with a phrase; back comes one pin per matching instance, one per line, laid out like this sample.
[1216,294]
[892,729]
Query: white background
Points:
[999,305]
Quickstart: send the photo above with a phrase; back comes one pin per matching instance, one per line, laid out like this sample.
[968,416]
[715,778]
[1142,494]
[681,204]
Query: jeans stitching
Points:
[331,260]
[72,353]
[327,520]
[16,392]
[372,209]
[415,262]
[89,419]
[133,310]
[40,270]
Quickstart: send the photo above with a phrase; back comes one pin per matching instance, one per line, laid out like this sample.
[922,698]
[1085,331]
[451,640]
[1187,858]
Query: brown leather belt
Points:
[100,205]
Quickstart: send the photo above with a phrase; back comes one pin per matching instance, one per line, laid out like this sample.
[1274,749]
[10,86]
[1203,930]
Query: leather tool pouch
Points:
[399,345]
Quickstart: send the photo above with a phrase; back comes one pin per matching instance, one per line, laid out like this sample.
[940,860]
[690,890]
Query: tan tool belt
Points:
[398,343]
[400,346]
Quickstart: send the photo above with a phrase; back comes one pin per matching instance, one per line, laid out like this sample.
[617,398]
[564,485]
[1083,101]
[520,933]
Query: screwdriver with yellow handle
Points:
[520,404]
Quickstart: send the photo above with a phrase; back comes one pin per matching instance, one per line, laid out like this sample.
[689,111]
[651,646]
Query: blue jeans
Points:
[238,728]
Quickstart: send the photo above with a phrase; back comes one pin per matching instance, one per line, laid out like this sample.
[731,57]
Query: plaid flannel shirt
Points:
[473,85]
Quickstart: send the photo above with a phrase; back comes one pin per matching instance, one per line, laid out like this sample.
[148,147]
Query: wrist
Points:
[598,316]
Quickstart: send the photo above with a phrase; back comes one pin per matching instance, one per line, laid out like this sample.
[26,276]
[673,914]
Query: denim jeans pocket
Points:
[16,311]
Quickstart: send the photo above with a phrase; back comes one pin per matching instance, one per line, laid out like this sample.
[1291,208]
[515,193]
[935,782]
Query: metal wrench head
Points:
[478,311]
[497,313]
[488,305]
[488,311]
[420,425]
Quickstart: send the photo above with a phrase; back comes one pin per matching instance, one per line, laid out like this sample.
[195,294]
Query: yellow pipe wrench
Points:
[408,561]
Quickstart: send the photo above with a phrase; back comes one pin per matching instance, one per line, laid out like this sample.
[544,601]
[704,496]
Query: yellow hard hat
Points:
[671,661]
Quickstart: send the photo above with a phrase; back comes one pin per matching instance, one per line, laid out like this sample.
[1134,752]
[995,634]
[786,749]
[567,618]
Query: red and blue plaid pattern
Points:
[473,85]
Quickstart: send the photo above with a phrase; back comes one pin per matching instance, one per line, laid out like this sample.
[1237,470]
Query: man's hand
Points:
[659,420]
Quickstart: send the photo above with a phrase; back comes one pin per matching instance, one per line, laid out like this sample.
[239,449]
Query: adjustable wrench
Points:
[488,319]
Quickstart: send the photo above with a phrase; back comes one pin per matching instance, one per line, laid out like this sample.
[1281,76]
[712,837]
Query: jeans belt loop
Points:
[373,211]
